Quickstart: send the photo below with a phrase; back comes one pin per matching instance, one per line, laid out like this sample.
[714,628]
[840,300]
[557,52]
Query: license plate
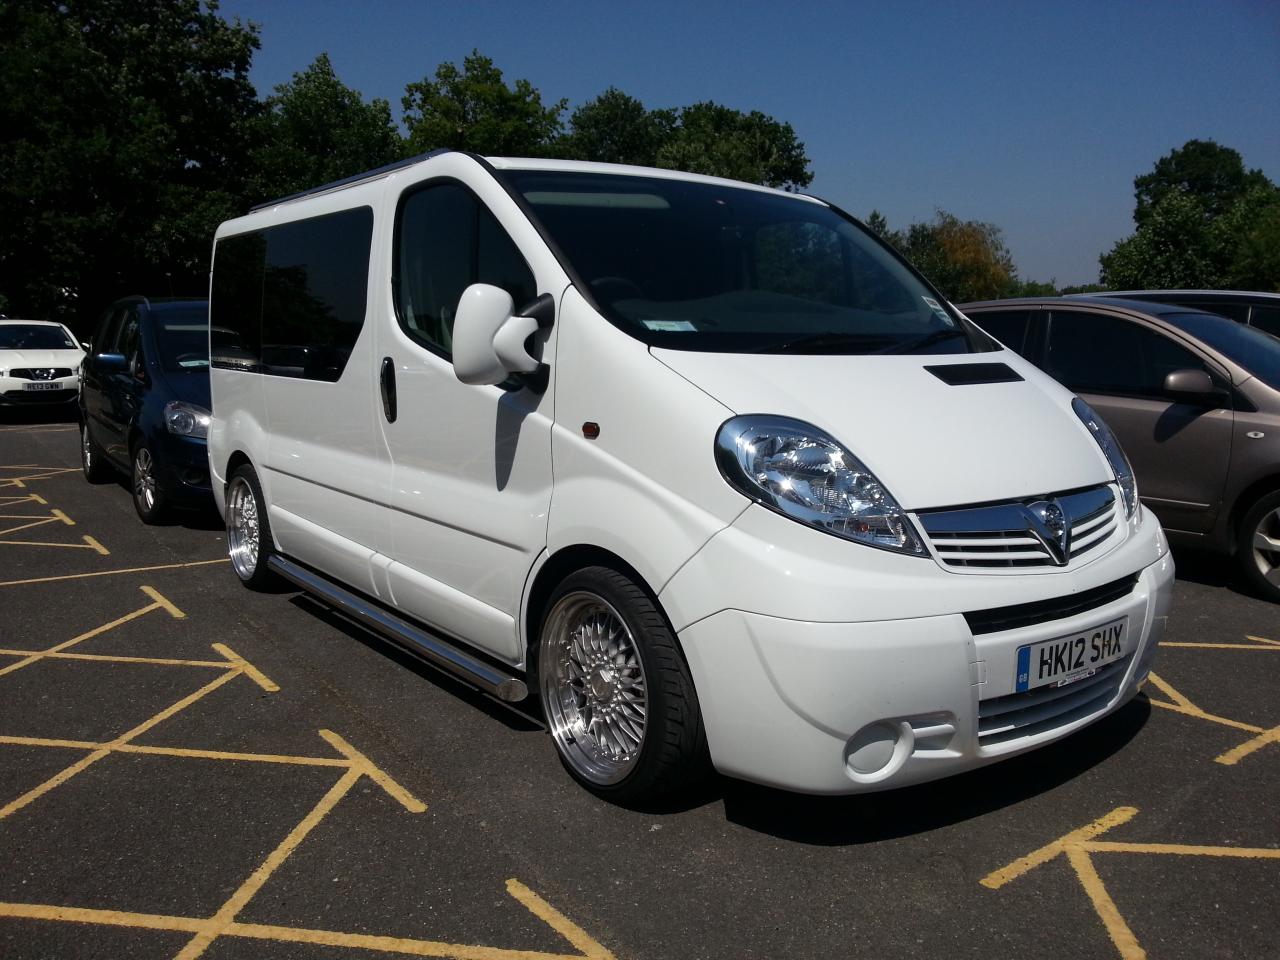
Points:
[1067,659]
[42,386]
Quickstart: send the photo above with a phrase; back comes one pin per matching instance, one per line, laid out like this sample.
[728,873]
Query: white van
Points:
[706,465]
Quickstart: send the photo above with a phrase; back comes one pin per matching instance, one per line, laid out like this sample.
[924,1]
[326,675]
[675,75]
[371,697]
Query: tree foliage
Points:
[474,109]
[122,142]
[965,259]
[315,129]
[1203,221]
[617,128]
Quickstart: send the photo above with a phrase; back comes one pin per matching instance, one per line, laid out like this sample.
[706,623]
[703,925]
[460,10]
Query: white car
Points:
[705,466]
[39,363]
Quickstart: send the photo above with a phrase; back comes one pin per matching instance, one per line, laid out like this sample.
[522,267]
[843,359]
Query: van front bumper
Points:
[845,707]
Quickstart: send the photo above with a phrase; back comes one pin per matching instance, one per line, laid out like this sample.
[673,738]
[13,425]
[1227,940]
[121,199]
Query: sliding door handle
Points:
[387,384]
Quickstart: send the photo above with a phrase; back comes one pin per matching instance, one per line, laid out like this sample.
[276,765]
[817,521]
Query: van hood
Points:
[931,443]
[40,358]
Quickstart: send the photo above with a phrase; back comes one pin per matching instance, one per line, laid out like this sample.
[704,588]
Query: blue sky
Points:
[1033,116]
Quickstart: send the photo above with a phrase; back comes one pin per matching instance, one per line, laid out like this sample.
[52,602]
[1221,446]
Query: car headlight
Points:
[186,419]
[796,469]
[1111,448]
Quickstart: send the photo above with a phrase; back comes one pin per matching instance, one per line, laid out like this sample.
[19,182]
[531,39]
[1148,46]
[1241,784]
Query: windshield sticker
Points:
[940,313]
[671,326]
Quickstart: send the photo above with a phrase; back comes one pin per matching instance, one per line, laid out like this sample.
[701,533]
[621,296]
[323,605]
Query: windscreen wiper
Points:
[827,341]
[928,340]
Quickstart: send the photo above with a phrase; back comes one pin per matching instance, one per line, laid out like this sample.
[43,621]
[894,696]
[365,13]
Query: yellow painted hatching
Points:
[1078,845]
[354,765]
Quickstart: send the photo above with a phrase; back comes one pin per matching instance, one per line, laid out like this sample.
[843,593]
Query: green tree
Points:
[123,140]
[474,109]
[1215,176]
[315,129]
[719,141]
[878,225]
[1203,220]
[617,128]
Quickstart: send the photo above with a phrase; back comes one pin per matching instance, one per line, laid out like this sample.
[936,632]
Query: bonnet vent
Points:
[962,374]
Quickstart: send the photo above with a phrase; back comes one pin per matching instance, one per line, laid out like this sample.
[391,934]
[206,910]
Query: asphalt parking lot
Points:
[188,769]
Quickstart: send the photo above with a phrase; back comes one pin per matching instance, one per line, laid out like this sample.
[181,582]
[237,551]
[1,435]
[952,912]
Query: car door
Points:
[470,465]
[93,387]
[1180,451]
[121,389]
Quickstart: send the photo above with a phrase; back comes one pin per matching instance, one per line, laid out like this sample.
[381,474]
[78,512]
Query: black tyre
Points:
[1258,547]
[616,692]
[149,497]
[248,529]
[92,460]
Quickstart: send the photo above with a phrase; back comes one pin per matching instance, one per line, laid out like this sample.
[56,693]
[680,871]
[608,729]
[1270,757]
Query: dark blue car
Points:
[144,403]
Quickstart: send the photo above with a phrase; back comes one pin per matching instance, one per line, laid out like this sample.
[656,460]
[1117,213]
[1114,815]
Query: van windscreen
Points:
[704,266]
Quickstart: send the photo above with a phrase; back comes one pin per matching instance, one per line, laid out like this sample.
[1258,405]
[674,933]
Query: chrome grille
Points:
[1020,715]
[40,373]
[1004,534]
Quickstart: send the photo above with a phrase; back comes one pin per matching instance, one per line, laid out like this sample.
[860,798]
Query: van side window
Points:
[235,305]
[446,240]
[314,292]
[1095,353]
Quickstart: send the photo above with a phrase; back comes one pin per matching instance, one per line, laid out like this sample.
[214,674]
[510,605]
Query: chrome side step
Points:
[434,649]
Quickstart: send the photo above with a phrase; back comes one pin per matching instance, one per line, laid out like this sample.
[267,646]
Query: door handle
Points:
[387,385]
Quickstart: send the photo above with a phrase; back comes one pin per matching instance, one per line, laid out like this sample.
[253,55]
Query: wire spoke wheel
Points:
[243,531]
[593,687]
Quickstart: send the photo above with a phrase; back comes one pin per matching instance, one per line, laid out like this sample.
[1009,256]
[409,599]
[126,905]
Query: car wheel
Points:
[248,530]
[615,690]
[1258,546]
[148,496]
[95,467]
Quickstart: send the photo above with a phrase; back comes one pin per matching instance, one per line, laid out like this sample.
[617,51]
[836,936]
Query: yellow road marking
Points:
[1181,704]
[11,501]
[115,918]
[112,658]
[185,753]
[89,544]
[381,778]
[158,603]
[39,428]
[998,878]
[252,672]
[46,472]
[1182,849]
[85,762]
[112,573]
[557,921]
[1104,906]
[226,915]
[1236,754]
[1265,645]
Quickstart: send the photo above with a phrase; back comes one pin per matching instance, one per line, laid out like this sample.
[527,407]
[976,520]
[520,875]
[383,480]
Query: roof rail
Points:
[357,178]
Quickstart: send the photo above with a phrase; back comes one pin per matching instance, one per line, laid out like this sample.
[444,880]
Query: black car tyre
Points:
[248,529]
[149,497]
[616,692]
[92,461]
[1258,547]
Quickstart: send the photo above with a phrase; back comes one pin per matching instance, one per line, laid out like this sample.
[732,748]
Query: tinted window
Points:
[36,336]
[235,307]
[127,341]
[1007,326]
[1096,353]
[1256,351]
[446,240]
[705,266]
[1266,319]
[105,333]
[313,293]
[1238,312]
[290,300]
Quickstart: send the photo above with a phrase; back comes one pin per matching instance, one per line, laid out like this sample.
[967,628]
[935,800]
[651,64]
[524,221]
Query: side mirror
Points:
[85,347]
[111,362]
[1191,386]
[489,337]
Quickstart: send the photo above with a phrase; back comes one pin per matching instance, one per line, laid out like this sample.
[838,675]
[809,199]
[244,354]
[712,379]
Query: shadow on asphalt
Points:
[872,817]
[38,414]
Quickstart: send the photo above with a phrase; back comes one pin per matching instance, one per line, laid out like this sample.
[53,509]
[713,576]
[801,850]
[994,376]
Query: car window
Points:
[127,341]
[1266,319]
[1099,353]
[446,240]
[1239,312]
[34,336]
[1008,326]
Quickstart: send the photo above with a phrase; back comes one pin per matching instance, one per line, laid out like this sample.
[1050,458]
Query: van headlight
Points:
[796,469]
[186,419]
[1111,448]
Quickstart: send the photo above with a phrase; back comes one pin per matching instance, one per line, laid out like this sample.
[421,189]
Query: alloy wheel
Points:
[1266,547]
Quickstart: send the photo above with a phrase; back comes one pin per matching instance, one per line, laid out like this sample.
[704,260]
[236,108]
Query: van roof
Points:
[526,163]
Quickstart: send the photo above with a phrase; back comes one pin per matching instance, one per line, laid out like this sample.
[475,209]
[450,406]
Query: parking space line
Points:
[114,918]
[10,501]
[1179,703]
[361,762]
[112,573]
[1236,754]
[113,658]
[157,603]
[557,921]
[89,544]
[1077,845]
